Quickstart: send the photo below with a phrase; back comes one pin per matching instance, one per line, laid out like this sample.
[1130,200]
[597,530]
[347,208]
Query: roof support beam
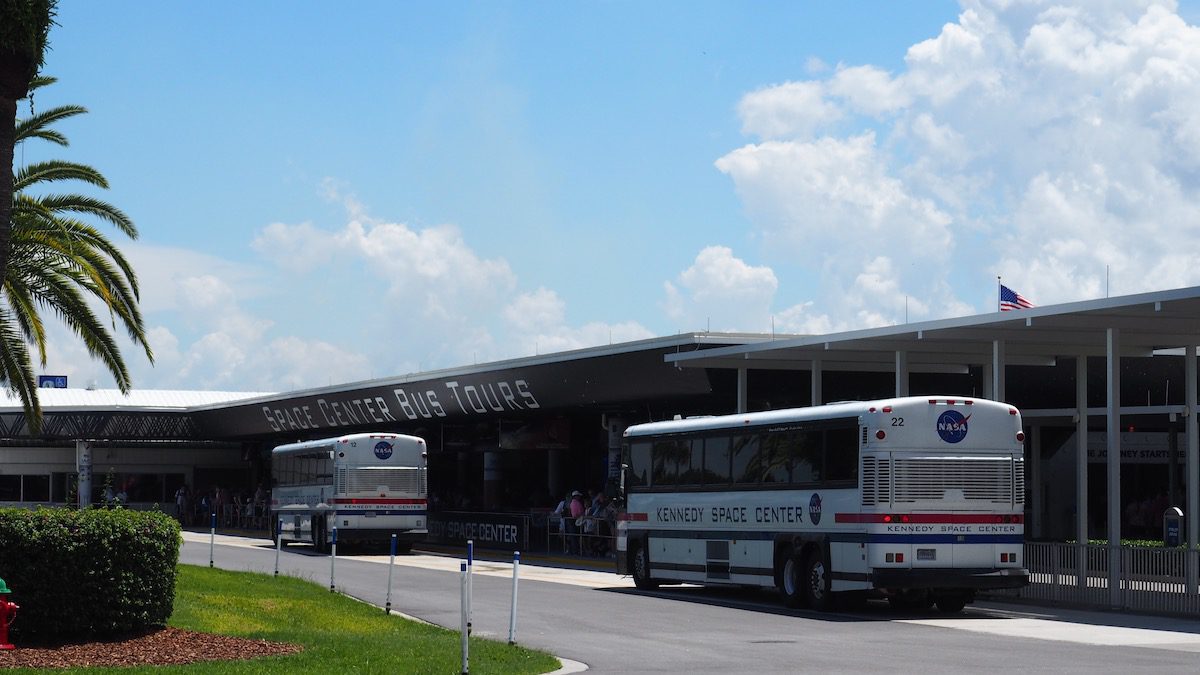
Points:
[997,393]
[1193,465]
[817,376]
[741,389]
[1081,465]
[1113,432]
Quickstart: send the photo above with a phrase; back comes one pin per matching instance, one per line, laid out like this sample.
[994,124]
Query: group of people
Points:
[237,509]
[587,523]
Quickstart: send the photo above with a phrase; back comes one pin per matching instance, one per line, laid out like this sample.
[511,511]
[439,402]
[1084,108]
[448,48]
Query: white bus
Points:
[368,486]
[917,499]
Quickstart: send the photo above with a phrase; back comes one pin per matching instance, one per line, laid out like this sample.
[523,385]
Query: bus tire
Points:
[817,582]
[640,568]
[791,582]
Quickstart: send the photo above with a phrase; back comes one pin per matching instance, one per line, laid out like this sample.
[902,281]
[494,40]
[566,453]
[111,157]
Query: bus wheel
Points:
[641,568]
[791,582]
[817,587]
[951,604]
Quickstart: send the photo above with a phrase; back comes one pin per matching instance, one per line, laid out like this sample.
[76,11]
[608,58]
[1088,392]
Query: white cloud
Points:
[537,323]
[792,109]
[1044,141]
[722,293]
[320,306]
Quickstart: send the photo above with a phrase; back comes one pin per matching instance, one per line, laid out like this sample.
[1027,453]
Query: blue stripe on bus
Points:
[945,539]
[360,512]
[844,537]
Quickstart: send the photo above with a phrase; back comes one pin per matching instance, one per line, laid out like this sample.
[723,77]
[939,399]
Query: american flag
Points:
[1010,299]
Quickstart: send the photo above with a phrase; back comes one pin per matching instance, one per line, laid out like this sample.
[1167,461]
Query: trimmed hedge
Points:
[95,572]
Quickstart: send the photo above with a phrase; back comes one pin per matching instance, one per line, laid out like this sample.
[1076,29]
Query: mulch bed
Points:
[166,646]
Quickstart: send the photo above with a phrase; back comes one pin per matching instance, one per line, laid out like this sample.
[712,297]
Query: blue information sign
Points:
[52,381]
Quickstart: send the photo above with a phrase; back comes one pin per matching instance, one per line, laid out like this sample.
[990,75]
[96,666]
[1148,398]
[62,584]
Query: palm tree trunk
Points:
[8,123]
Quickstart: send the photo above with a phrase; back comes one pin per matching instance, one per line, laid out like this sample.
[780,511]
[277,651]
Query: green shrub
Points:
[94,572]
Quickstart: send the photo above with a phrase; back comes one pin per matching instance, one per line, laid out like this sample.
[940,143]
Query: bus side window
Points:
[806,457]
[776,458]
[716,460]
[639,464]
[670,455]
[747,465]
[841,454]
[691,468]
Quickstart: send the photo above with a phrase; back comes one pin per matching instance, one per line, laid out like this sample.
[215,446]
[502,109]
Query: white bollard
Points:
[463,605]
[512,615]
[332,558]
[212,537]
[387,606]
[470,579]
[278,543]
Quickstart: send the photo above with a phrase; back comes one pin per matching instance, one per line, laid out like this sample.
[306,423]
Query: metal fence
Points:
[1148,579]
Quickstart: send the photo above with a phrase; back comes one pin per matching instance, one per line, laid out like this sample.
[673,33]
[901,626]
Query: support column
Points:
[83,466]
[741,390]
[998,370]
[556,480]
[1081,465]
[1035,478]
[989,385]
[615,430]
[1113,433]
[1192,519]
[817,375]
[493,478]
[901,373]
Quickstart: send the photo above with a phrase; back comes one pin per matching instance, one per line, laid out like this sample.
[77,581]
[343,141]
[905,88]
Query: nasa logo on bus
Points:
[383,449]
[952,426]
[814,509]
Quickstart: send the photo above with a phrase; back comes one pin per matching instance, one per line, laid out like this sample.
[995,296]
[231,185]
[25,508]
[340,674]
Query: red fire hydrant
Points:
[8,613]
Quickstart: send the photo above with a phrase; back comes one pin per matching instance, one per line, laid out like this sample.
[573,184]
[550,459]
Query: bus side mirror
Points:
[621,482]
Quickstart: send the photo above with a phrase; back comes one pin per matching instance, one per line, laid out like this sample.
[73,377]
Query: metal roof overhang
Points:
[1145,323]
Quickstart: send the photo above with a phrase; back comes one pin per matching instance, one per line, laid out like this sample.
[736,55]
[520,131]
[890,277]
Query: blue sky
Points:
[328,194]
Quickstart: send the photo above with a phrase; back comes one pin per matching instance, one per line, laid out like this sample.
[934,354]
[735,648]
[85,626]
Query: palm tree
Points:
[24,29]
[58,262]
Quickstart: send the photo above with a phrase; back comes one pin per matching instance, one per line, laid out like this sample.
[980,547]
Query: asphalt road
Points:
[599,619]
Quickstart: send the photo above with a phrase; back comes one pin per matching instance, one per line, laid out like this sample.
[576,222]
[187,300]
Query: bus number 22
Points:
[897,421]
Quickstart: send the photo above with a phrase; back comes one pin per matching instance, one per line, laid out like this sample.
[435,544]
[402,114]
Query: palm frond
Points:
[37,126]
[57,170]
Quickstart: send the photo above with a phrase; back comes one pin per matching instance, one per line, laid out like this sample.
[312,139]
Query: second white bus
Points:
[368,486]
[919,499]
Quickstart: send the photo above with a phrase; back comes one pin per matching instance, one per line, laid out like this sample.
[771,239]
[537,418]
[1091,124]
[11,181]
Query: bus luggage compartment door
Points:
[716,560]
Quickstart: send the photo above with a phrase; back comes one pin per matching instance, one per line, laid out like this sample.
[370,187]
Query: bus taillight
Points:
[1020,436]
[881,434]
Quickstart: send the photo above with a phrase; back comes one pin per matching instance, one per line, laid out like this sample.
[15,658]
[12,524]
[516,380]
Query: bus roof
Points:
[321,442]
[842,409]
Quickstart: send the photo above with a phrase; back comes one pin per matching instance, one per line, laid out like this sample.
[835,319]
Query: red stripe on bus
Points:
[639,517]
[930,518]
[376,500]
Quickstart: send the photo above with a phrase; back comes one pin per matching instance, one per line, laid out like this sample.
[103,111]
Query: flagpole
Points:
[998,293]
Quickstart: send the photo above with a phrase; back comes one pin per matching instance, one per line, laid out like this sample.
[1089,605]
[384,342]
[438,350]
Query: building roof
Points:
[1144,324]
[136,399]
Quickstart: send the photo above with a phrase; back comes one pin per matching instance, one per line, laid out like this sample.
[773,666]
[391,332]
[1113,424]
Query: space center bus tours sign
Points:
[454,396]
[486,530]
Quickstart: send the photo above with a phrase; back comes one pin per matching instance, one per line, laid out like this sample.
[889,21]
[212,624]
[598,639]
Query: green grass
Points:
[339,634]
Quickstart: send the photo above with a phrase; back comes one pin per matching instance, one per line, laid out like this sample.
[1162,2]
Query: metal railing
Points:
[1150,579]
[593,539]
